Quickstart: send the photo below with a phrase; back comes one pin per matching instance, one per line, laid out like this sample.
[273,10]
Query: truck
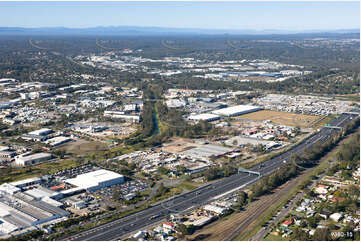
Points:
[153,217]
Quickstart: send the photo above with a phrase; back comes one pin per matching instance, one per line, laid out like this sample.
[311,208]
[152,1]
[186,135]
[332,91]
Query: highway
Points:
[118,228]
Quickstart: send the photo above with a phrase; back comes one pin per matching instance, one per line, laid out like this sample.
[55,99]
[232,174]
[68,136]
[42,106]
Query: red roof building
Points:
[337,199]
[288,222]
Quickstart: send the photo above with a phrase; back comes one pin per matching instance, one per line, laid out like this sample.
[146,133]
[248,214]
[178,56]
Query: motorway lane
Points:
[117,228]
[323,135]
[113,230]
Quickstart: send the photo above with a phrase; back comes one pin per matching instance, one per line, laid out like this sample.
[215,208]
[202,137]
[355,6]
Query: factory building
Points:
[8,188]
[7,155]
[207,151]
[214,209]
[95,180]
[37,135]
[26,182]
[121,115]
[32,159]
[22,210]
[41,192]
[41,132]
[236,110]
[58,141]
[204,116]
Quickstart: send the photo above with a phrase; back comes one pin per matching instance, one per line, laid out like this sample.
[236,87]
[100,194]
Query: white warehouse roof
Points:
[57,140]
[34,156]
[95,179]
[236,110]
[214,209]
[204,116]
[41,131]
[9,188]
[24,182]
[41,193]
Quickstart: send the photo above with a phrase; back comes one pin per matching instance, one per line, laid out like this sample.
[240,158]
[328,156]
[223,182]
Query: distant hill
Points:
[143,31]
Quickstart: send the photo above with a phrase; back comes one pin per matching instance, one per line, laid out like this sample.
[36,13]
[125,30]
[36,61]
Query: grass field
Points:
[284,118]
[16,174]
[188,185]
[349,97]
[81,146]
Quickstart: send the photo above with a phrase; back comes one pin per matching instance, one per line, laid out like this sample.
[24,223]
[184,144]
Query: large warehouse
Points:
[236,110]
[32,159]
[95,180]
[204,116]
[206,151]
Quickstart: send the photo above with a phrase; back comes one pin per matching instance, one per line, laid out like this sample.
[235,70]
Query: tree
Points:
[322,235]
[162,170]
[211,174]
[242,198]
[299,235]
[182,229]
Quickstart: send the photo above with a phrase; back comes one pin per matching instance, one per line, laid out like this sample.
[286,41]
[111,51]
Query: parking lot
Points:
[106,196]
[73,172]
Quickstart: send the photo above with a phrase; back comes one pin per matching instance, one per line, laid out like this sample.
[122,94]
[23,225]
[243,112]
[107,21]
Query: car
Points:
[153,217]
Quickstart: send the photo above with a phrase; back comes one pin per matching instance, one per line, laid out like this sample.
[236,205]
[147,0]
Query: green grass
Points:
[350,97]
[16,174]
[172,192]
[187,185]
[88,146]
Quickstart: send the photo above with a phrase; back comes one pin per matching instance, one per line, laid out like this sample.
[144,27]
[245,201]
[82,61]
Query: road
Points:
[118,228]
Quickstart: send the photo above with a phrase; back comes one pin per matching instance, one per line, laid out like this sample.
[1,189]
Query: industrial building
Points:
[26,182]
[214,209]
[95,180]
[19,210]
[236,110]
[8,188]
[37,135]
[209,150]
[32,159]
[204,116]
[120,115]
[58,141]
[7,155]
[42,192]
[41,132]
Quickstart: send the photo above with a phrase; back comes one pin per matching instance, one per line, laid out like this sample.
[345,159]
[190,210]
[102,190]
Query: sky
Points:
[206,15]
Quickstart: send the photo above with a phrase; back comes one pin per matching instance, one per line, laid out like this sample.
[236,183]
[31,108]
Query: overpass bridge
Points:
[241,169]
[333,127]
[352,113]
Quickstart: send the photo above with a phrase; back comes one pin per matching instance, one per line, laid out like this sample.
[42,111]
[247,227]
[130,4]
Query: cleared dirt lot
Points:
[81,146]
[178,145]
[284,118]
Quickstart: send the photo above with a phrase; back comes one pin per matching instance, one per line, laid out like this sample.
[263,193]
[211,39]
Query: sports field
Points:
[284,118]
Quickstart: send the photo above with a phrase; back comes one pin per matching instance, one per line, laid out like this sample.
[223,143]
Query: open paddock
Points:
[283,118]
[81,146]
[178,145]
